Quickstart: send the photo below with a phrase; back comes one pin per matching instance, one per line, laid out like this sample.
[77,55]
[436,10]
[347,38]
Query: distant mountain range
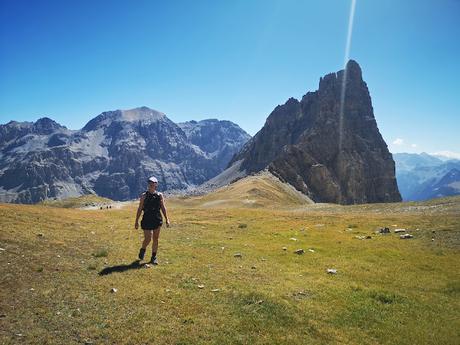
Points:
[112,155]
[115,152]
[423,176]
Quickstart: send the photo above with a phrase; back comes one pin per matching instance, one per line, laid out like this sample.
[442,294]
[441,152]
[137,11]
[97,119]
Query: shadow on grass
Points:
[135,265]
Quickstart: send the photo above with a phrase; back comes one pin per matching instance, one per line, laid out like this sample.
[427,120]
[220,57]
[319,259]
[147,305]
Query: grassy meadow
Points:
[58,266]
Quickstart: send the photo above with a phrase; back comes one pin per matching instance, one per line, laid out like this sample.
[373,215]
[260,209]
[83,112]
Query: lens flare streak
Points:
[344,78]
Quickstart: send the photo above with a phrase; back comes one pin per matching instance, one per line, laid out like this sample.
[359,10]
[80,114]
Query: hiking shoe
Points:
[141,254]
[154,260]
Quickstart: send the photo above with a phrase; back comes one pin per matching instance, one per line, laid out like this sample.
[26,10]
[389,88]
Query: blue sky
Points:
[235,60]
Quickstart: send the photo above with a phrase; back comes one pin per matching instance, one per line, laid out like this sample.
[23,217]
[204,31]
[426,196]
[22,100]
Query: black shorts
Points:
[150,223]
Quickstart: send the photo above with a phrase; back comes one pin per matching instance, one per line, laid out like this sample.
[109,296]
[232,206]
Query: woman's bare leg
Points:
[155,236]
[147,238]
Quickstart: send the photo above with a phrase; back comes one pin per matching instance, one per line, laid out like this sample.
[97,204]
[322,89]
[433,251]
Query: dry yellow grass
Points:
[261,190]
[386,290]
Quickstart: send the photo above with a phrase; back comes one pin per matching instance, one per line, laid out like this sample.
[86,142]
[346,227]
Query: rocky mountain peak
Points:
[137,115]
[45,125]
[329,150]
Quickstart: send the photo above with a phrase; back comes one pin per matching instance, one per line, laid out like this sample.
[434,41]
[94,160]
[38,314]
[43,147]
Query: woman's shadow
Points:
[135,265]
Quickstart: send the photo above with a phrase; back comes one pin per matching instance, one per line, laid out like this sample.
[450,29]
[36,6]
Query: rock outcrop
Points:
[331,159]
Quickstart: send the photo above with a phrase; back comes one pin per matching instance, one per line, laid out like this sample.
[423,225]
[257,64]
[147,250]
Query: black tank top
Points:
[152,203]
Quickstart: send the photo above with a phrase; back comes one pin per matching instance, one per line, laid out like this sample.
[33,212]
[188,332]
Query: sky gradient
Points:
[234,60]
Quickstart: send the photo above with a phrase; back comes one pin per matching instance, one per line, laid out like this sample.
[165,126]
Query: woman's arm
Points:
[163,209]
[139,211]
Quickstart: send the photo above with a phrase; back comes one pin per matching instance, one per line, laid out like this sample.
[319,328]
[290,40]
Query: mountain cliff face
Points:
[300,143]
[113,155]
[219,139]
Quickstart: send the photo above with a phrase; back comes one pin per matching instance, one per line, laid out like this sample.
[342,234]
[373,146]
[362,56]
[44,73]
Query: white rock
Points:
[403,237]
[311,250]
[238,255]
[399,230]
[331,271]
[215,290]
[284,248]
[113,290]
[293,239]
[200,286]
[299,251]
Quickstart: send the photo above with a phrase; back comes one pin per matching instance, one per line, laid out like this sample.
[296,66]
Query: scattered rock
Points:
[399,230]
[293,239]
[311,250]
[284,248]
[260,301]
[368,237]
[200,286]
[331,271]
[432,239]
[299,251]
[299,295]
[253,267]
[2,315]
[147,265]
[215,290]
[403,237]
[2,249]
[263,259]
[58,256]
[383,231]
[32,289]
[40,234]
[113,290]
[238,255]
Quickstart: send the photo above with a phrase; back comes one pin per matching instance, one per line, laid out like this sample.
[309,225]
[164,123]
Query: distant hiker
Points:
[151,202]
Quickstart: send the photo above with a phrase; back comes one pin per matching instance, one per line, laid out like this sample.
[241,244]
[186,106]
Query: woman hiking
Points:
[151,202]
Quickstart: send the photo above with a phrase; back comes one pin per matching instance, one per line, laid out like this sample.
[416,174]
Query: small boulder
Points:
[299,251]
[399,230]
[405,236]
[238,255]
[113,290]
[383,231]
[331,271]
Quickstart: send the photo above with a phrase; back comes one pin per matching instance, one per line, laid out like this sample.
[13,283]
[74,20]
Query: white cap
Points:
[153,179]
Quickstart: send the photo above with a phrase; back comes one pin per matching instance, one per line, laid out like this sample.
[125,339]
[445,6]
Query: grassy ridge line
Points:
[385,287]
[78,202]
[261,190]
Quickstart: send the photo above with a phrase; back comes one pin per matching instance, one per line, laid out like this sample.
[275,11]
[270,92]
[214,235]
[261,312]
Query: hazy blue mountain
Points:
[423,176]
